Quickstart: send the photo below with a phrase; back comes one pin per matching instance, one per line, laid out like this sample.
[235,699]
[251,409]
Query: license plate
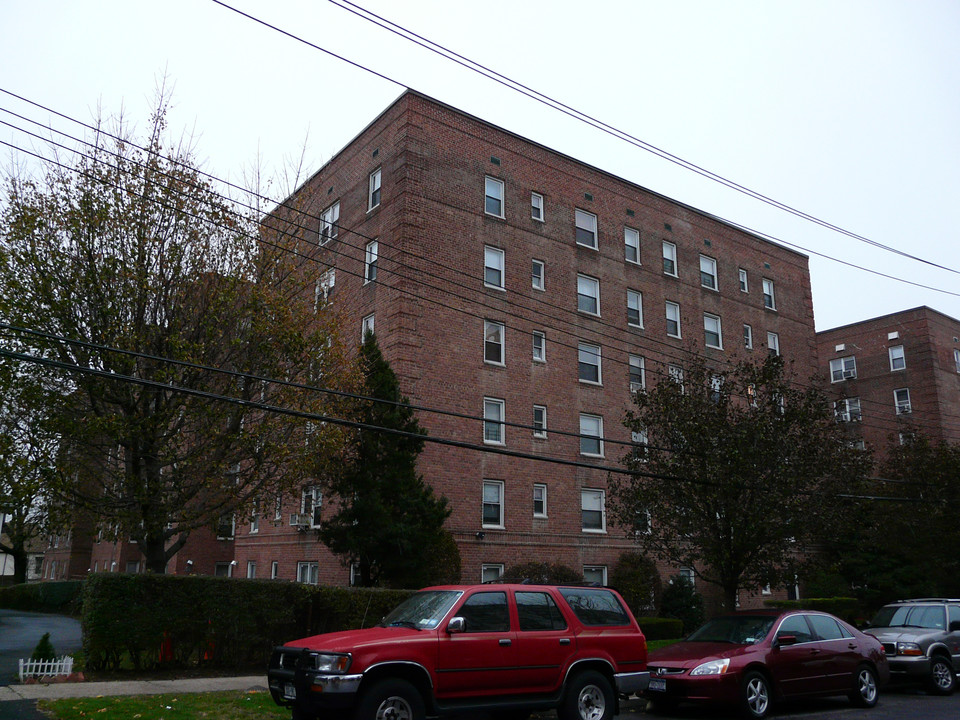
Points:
[289,691]
[657,685]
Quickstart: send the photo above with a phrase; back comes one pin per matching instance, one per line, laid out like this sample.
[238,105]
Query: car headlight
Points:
[714,667]
[908,648]
[331,662]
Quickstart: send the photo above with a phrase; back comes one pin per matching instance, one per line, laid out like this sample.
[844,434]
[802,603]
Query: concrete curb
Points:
[56,691]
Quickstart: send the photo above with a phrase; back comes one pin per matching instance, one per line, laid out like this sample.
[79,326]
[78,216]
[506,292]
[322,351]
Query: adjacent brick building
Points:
[893,374]
[510,282]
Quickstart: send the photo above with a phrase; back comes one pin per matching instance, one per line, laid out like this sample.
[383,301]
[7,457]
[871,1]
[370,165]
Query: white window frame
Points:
[488,327]
[494,432]
[585,224]
[773,343]
[843,368]
[594,494]
[670,256]
[744,282]
[537,274]
[496,185]
[586,284]
[540,488]
[895,356]
[493,259]
[593,569]
[329,223]
[848,410]
[584,348]
[324,288]
[956,359]
[631,244]
[370,257]
[487,571]
[540,425]
[635,303]
[709,319]
[675,373]
[367,324]
[497,485]
[536,207]
[591,434]
[639,364]
[903,405]
[373,190]
[221,524]
[274,570]
[314,508]
[251,569]
[308,572]
[539,346]
[747,336]
[675,306]
[708,268]
[769,294]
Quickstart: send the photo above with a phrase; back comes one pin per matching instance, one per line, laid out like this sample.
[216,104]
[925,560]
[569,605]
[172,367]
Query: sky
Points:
[845,110]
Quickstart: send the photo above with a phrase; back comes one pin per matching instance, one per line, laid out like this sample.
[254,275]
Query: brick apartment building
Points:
[516,285]
[894,374]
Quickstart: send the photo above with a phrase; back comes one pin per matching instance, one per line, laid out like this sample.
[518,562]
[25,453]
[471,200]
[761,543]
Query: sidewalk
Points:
[54,691]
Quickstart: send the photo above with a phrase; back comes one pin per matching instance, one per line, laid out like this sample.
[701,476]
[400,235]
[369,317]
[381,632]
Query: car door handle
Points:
[852,646]
[505,641]
[564,641]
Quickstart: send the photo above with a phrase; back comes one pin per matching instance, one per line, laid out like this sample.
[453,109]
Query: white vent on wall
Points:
[840,348]
[893,336]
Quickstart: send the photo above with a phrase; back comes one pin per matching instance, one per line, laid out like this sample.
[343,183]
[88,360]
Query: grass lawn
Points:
[231,705]
[657,644]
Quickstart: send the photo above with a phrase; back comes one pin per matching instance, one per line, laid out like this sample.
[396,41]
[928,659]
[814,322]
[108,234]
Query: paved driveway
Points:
[21,631]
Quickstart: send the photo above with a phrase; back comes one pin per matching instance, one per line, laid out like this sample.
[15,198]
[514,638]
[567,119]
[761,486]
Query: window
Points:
[373,195]
[539,421]
[638,378]
[844,368]
[370,261]
[274,570]
[592,511]
[586,228]
[588,363]
[631,242]
[673,319]
[493,421]
[847,410]
[255,519]
[689,575]
[493,200]
[743,280]
[539,500]
[308,572]
[493,342]
[324,287]
[537,611]
[591,435]
[536,206]
[956,359]
[748,337]
[366,327]
[278,507]
[311,504]
[226,526]
[485,612]
[640,439]
[536,274]
[898,361]
[493,267]
[669,258]
[328,223]
[711,331]
[493,503]
[675,373]
[251,570]
[902,399]
[539,347]
[769,298]
[773,343]
[595,574]
[708,272]
[634,309]
[490,572]
[588,294]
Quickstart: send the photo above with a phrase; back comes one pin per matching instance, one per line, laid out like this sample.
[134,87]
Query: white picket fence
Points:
[46,668]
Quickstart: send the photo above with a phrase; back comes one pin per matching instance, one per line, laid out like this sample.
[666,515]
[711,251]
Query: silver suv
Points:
[921,639]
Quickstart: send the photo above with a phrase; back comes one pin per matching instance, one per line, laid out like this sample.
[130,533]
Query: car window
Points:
[796,625]
[485,612]
[927,616]
[538,611]
[595,607]
[825,627]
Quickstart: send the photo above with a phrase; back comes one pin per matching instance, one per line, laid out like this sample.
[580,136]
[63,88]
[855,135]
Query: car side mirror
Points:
[456,626]
[955,626]
[786,640]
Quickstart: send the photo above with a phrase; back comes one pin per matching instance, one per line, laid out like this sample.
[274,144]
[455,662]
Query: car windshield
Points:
[423,610]
[919,616]
[735,629]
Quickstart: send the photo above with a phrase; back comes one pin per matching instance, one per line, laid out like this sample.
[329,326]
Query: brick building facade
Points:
[528,291]
[893,374]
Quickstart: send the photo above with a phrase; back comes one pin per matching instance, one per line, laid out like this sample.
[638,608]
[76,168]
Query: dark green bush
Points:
[636,578]
[542,573]
[54,597]
[44,649]
[680,600]
[660,628]
[843,607]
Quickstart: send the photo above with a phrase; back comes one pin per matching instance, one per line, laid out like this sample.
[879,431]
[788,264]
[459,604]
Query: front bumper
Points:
[704,688]
[632,683]
[908,667]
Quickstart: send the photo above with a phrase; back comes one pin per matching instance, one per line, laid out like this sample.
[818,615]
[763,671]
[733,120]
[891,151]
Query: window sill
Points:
[494,287]
[594,532]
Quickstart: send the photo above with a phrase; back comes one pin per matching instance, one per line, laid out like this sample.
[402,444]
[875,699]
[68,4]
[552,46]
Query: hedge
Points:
[659,628]
[843,607]
[51,597]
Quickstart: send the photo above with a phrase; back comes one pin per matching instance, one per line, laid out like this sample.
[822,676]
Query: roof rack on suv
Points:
[932,599]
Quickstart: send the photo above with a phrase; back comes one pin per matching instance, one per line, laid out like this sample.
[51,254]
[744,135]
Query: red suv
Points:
[457,648]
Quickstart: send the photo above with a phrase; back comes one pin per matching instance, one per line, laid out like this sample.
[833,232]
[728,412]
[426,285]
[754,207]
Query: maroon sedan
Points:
[752,659]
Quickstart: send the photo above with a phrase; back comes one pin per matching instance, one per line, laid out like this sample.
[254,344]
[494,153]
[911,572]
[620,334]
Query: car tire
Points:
[390,699]
[942,680]
[298,714]
[865,691]
[756,698]
[588,697]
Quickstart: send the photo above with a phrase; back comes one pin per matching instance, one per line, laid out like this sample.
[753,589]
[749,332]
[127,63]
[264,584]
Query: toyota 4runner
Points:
[449,649]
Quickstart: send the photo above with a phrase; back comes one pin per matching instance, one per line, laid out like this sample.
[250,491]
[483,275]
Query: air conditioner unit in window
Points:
[849,374]
[298,521]
[903,409]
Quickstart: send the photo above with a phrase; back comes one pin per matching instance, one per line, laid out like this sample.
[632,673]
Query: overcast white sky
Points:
[848,110]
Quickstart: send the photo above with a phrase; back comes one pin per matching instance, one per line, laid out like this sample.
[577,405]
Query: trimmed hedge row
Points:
[660,628]
[51,597]
[218,622]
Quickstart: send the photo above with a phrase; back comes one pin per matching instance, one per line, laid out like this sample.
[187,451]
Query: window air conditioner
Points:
[849,374]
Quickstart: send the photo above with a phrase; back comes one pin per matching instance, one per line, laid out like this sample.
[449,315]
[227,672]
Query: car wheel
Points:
[755,700]
[942,680]
[588,697]
[864,692]
[391,699]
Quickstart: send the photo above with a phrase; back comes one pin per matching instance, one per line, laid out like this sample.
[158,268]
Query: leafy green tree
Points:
[683,602]
[387,519]
[744,471]
[115,268]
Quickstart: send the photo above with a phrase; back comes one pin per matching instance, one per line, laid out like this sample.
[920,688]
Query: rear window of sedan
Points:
[595,607]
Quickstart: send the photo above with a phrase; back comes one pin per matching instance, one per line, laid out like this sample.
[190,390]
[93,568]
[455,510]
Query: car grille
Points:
[889,648]
[291,659]
[665,670]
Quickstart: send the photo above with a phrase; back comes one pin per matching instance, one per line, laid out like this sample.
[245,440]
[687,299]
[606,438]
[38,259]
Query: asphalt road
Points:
[21,631]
